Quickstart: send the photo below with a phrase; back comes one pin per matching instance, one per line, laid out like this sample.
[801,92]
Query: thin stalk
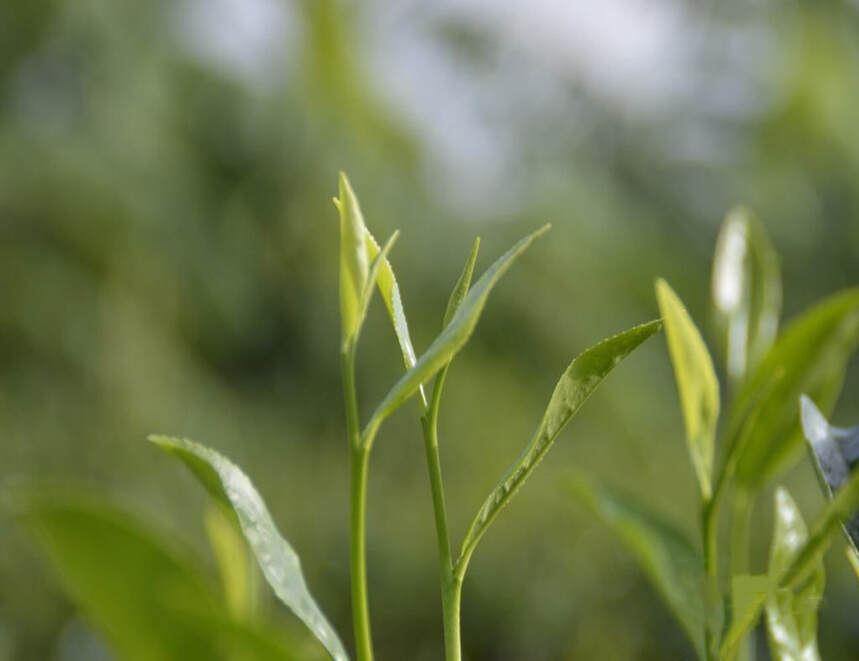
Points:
[359,459]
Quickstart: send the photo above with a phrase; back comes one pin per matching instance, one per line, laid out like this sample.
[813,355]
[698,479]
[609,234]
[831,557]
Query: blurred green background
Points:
[168,263]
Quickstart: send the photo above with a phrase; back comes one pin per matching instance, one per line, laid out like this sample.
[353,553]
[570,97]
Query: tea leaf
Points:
[452,338]
[853,559]
[147,597]
[373,275]
[238,574]
[575,386]
[353,259]
[277,559]
[672,564]
[748,595]
[792,616]
[747,291]
[834,453]
[696,382]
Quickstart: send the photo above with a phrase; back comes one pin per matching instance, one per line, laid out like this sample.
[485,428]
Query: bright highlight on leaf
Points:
[452,338]
[747,290]
[576,385]
[277,559]
[696,382]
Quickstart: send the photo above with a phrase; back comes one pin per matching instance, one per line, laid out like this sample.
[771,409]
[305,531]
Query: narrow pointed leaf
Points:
[277,559]
[353,259]
[834,453]
[671,562]
[453,337]
[747,291]
[748,596]
[812,353]
[373,275]
[237,570]
[146,597]
[696,382]
[792,615]
[853,559]
[576,385]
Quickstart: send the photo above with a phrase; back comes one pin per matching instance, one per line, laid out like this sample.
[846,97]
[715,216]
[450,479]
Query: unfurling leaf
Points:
[812,355]
[696,382]
[578,382]
[746,291]
[278,561]
[452,338]
[671,562]
[792,615]
[834,453]
[353,260]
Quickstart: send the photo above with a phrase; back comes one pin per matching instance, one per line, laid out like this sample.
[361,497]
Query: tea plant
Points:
[718,603]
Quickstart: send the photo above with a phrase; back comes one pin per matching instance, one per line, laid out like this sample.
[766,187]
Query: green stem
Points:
[359,459]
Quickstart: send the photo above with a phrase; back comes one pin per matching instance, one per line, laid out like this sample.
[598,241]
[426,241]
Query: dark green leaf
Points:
[746,291]
[696,382]
[792,615]
[277,559]
[834,453]
[146,597]
[673,565]
[573,389]
[748,595]
[452,338]
[353,259]
[812,354]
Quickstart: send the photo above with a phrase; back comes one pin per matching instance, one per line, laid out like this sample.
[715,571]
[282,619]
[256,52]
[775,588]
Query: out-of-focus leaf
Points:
[747,290]
[673,565]
[238,574]
[279,562]
[842,506]
[853,559]
[748,595]
[812,353]
[696,382]
[453,337]
[834,453]
[792,616]
[146,597]
[353,259]
[576,385]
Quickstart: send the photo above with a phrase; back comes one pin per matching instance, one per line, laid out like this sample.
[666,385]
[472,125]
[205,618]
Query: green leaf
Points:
[576,385]
[748,596]
[834,453]
[376,264]
[842,506]
[853,559]
[145,596]
[812,353]
[696,382]
[237,570]
[792,615]
[452,338]
[747,291]
[672,564]
[353,259]
[277,559]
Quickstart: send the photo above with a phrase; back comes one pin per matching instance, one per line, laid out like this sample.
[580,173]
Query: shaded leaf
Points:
[792,615]
[452,338]
[672,564]
[145,596]
[834,453]
[573,389]
[277,559]
[353,259]
[812,353]
[238,574]
[696,382]
[748,595]
[747,290]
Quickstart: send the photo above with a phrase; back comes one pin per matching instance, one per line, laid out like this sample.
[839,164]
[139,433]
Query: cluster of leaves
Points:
[767,374]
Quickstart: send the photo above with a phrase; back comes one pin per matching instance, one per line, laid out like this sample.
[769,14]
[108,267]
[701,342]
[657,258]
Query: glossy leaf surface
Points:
[453,337]
[812,355]
[576,385]
[145,596]
[747,292]
[277,559]
[671,562]
[792,615]
[353,259]
[696,382]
